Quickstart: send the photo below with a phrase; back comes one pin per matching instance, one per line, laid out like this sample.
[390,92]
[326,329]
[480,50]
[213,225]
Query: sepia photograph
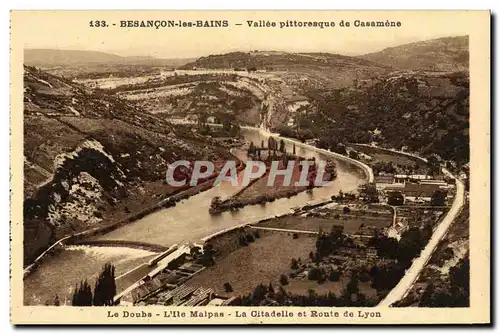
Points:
[213,166]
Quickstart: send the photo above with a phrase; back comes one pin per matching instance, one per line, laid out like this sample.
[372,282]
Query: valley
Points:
[98,141]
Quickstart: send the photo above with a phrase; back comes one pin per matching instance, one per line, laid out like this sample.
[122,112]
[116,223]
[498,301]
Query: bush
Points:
[295,236]
[250,238]
[243,241]
[283,280]
[346,210]
[364,277]
[334,276]
[315,274]
[227,287]
[294,264]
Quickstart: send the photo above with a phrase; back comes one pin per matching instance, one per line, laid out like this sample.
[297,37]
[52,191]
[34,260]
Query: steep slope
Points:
[442,54]
[92,158]
[426,113]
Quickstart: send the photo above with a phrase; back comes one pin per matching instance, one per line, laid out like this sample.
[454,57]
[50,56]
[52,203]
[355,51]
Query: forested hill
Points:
[426,113]
[443,54]
[277,60]
[90,158]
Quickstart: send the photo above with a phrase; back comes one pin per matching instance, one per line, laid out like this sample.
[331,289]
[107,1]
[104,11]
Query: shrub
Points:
[227,287]
[243,241]
[314,274]
[334,276]
[283,280]
[364,277]
[295,236]
[250,238]
[294,264]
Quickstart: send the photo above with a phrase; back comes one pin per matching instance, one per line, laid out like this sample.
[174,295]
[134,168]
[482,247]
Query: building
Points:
[420,193]
[384,181]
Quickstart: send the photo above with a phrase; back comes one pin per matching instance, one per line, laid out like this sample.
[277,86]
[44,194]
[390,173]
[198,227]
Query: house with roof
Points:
[418,192]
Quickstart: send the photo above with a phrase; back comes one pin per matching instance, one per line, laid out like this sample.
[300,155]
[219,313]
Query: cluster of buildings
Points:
[411,189]
[164,285]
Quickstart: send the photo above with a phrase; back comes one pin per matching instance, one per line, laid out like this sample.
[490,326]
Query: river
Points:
[188,221]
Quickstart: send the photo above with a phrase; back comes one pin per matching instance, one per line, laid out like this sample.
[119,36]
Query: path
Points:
[412,274]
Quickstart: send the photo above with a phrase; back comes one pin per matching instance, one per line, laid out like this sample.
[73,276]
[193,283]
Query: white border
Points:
[186,4]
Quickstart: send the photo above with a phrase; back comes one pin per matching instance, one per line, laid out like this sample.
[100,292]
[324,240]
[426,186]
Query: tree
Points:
[438,198]
[353,285]
[369,192]
[105,286]
[282,146]
[353,155]
[259,293]
[82,295]
[340,149]
[195,251]
[228,288]
[56,300]
[283,280]
[294,264]
[251,149]
[334,275]
[395,198]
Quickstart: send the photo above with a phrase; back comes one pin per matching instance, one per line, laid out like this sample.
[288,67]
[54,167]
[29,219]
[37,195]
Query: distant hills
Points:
[442,54]
[277,60]
[53,57]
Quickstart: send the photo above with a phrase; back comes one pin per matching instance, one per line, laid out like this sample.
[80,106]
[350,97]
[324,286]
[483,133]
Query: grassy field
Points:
[262,261]
[351,223]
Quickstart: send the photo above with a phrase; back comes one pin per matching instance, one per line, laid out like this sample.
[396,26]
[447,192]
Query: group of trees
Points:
[385,276]
[327,244]
[455,290]
[104,290]
[269,296]
[430,125]
[407,248]
[368,192]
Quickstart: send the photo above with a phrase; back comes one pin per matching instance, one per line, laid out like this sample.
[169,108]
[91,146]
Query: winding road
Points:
[412,274]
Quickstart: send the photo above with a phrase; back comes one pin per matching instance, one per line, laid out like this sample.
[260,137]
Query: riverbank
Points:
[171,201]
[258,191]
[188,221]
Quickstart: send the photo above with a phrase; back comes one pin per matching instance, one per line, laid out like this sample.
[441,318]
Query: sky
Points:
[70,30]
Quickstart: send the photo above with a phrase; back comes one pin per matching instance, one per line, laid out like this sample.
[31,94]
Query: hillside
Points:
[426,113]
[276,60]
[53,57]
[443,54]
[91,158]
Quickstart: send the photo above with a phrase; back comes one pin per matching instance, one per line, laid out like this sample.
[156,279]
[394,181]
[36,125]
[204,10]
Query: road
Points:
[412,273]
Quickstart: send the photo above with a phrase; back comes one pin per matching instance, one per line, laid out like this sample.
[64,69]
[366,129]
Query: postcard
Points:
[250,167]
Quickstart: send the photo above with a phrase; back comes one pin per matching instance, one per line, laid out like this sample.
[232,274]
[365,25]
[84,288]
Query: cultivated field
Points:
[262,261]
